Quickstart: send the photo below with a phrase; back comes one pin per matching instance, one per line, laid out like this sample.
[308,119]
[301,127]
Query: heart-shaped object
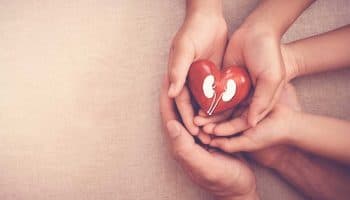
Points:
[216,91]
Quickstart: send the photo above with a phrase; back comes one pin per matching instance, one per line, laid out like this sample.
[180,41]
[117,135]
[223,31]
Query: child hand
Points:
[260,52]
[221,125]
[273,130]
[202,36]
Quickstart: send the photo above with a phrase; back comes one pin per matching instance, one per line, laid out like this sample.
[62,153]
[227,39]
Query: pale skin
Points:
[267,28]
[203,35]
[324,136]
[225,176]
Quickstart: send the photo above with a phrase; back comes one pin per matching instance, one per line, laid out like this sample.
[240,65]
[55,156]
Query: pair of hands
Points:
[205,37]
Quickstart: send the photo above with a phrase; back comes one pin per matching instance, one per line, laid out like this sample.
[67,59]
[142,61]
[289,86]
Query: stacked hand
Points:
[225,176]
[203,35]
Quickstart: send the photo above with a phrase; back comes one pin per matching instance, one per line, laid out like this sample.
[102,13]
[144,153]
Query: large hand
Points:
[224,176]
[203,35]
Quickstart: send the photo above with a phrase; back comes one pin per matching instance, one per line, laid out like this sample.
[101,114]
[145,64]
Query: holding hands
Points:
[270,121]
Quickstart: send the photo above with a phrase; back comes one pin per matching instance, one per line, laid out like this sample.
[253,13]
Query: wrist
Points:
[294,133]
[289,155]
[293,60]
[204,7]
[259,28]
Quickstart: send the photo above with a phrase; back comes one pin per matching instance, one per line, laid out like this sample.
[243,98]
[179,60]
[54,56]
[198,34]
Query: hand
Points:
[203,35]
[273,130]
[224,124]
[226,177]
[260,53]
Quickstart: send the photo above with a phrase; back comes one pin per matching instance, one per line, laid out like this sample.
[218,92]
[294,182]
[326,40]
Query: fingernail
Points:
[173,129]
[172,90]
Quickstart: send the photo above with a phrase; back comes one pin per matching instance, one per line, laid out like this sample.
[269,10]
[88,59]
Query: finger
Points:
[231,55]
[209,128]
[202,113]
[181,56]
[234,144]
[272,103]
[217,57]
[232,127]
[184,105]
[201,121]
[167,105]
[265,93]
[204,138]
[190,155]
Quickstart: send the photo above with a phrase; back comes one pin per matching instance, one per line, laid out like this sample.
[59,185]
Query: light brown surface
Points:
[79,85]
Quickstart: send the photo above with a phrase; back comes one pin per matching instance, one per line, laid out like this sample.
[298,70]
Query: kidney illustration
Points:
[218,90]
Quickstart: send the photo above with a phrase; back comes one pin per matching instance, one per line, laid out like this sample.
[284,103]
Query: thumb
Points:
[189,154]
[265,96]
[231,55]
[181,56]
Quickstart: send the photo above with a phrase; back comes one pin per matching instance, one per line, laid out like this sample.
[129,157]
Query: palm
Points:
[261,55]
[226,175]
[207,36]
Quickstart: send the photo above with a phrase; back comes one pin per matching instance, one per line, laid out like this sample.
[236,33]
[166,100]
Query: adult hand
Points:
[203,35]
[226,177]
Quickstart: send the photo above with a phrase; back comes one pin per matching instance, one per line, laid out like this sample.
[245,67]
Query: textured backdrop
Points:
[79,86]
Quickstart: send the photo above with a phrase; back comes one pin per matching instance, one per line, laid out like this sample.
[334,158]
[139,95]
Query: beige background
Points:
[79,84]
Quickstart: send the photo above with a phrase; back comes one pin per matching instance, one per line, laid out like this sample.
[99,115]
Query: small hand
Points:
[224,124]
[225,176]
[260,53]
[202,36]
[273,130]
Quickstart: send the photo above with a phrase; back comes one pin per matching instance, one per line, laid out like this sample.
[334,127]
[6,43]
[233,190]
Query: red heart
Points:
[215,90]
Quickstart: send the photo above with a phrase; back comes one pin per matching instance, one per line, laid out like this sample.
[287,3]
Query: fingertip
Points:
[194,130]
[173,128]
[204,138]
[173,91]
[202,113]
[209,128]
[197,120]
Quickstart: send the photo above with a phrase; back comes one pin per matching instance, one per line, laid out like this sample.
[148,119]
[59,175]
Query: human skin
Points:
[203,35]
[226,177]
[333,140]
[256,44]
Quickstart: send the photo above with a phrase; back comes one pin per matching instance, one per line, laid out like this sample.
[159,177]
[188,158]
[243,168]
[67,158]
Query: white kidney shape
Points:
[230,90]
[207,86]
